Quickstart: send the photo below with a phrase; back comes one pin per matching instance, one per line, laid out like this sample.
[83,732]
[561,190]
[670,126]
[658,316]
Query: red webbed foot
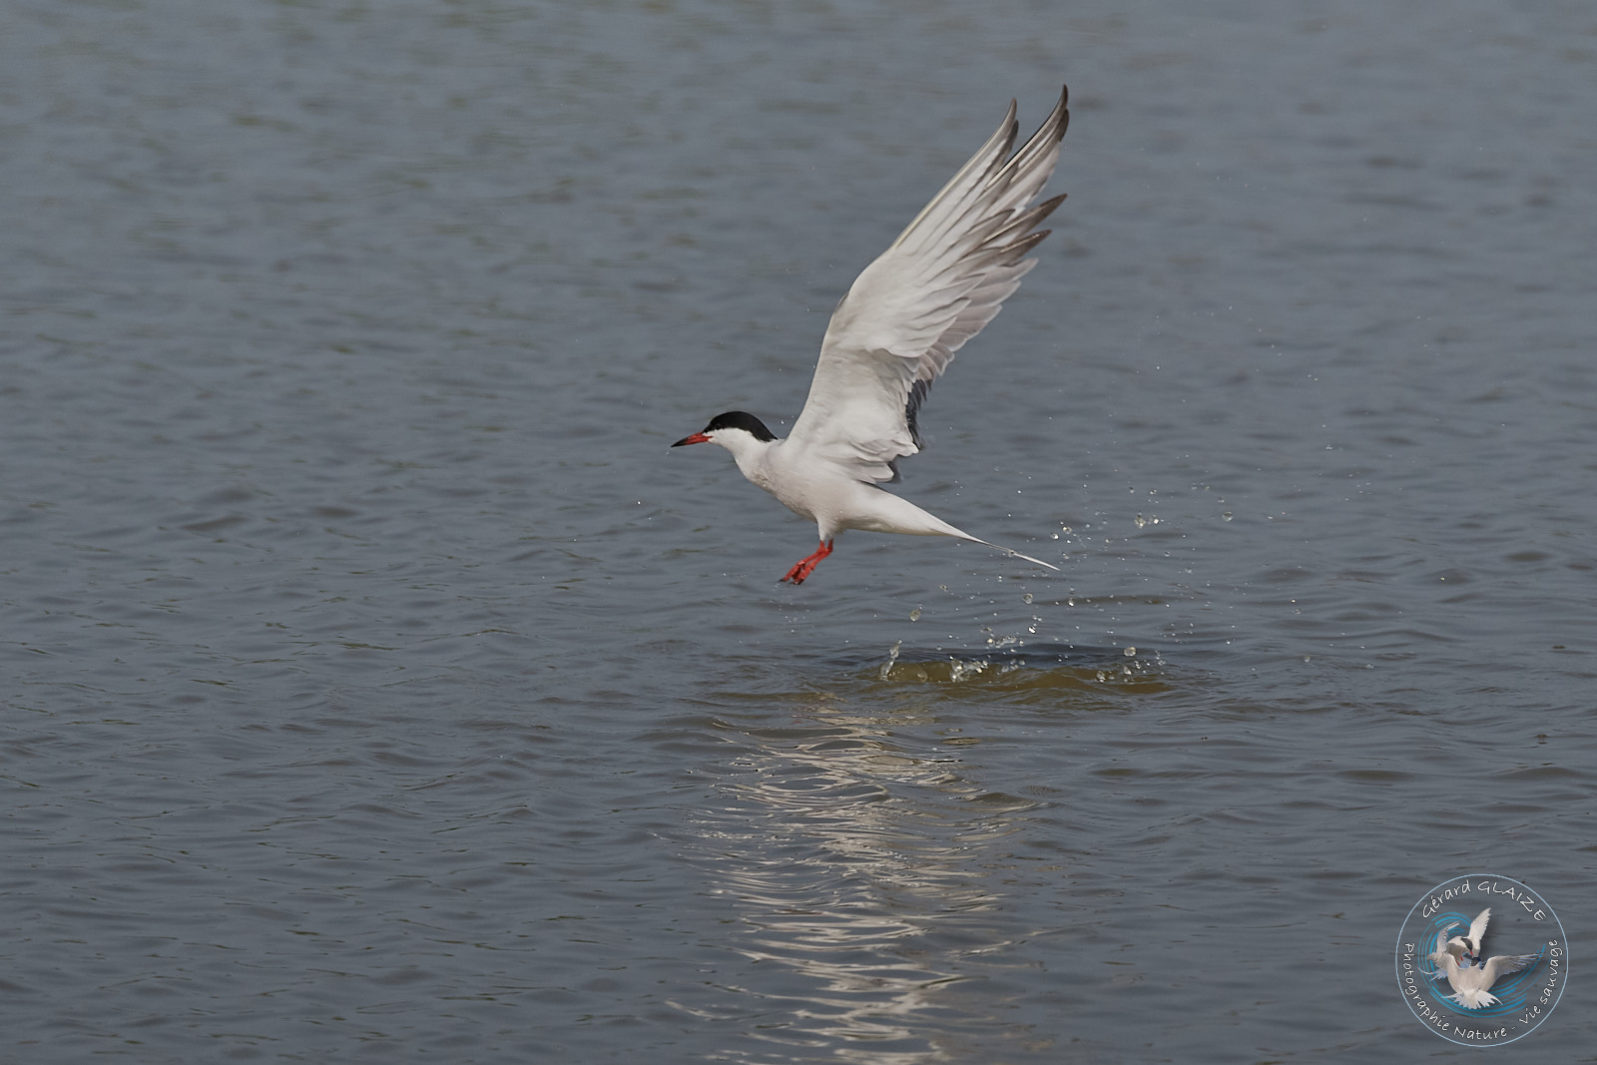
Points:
[806,566]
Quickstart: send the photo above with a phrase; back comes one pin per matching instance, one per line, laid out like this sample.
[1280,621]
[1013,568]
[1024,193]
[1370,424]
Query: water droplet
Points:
[892,656]
[1225,516]
[1130,652]
[914,615]
[1026,598]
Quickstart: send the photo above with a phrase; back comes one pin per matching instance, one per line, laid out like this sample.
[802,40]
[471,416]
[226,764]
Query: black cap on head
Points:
[737,419]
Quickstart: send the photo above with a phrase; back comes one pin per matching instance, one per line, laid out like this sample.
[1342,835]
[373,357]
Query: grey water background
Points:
[377,685]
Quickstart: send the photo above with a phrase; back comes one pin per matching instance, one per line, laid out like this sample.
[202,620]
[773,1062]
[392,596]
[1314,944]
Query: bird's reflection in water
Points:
[862,873]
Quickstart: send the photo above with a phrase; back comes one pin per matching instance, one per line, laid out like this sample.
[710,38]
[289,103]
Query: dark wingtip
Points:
[1026,243]
[917,395]
[1049,206]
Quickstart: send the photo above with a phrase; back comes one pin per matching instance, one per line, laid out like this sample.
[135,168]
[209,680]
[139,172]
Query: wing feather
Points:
[943,279]
[1477,928]
[1504,964]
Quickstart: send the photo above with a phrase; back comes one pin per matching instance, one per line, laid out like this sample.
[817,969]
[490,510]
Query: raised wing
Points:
[1500,966]
[1477,929]
[1444,943]
[912,308]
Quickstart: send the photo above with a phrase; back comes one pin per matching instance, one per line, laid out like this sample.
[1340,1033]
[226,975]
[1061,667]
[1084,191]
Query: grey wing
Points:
[934,288]
[1477,928]
[1444,943]
[1504,964]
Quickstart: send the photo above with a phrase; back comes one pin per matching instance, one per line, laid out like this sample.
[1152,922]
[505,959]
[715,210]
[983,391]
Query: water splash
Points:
[892,656]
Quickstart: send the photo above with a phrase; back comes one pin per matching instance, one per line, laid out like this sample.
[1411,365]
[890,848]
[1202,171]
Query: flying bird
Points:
[1471,944]
[891,336]
[1472,983]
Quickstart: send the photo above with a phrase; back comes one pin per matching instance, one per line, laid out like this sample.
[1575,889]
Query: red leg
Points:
[806,566]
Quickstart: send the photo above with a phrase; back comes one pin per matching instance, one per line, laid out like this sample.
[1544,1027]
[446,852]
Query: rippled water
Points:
[378,686]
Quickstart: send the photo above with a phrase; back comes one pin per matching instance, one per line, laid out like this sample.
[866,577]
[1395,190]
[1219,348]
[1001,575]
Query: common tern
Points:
[1471,977]
[891,336]
[1470,945]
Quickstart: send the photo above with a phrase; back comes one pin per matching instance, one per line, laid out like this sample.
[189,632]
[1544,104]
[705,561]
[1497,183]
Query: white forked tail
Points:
[895,514]
[1473,999]
[1006,550]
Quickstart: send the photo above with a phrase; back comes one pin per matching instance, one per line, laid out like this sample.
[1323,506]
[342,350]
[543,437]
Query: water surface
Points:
[378,686]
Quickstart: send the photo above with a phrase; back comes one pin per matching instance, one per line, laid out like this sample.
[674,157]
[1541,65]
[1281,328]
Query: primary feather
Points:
[934,288]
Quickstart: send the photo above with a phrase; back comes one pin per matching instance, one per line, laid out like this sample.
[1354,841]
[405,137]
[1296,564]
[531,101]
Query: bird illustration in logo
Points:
[1458,960]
